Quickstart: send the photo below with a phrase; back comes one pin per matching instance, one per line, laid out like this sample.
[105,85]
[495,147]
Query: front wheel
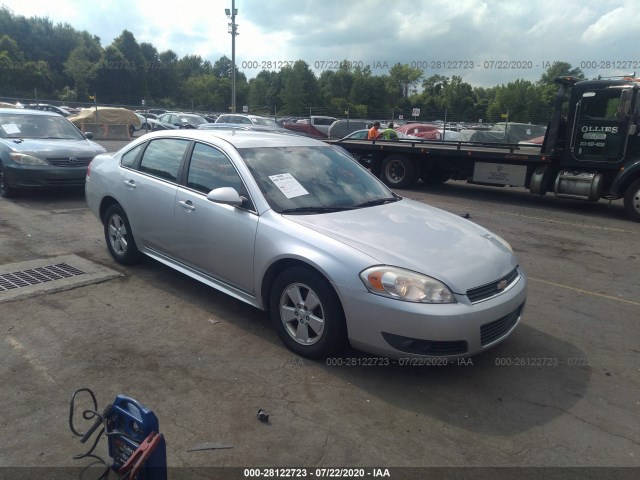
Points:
[632,201]
[117,233]
[307,314]
[398,171]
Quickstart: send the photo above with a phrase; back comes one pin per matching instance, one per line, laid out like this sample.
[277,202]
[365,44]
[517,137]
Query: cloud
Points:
[374,32]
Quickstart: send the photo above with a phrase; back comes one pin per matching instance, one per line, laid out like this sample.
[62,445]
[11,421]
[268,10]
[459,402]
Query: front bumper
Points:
[399,329]
[36,176]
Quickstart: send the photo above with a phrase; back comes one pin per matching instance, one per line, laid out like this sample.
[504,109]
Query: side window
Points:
[210,169]
[162,158]
[245,120]
[130,157]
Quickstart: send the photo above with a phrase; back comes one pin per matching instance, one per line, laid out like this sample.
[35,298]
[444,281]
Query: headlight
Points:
[394,282]
[27,159]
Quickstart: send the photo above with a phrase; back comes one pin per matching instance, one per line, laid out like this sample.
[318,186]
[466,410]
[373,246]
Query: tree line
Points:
[57,62]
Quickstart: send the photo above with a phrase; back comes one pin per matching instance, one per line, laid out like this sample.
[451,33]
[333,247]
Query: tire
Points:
[5,190]
[435,177]
[119,238]
[132,130]
[632,201]
[307,313]
[398,171]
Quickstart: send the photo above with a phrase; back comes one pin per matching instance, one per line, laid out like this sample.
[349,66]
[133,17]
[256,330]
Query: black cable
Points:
[88,415]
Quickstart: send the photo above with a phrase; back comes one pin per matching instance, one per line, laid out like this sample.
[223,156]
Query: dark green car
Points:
[41,149]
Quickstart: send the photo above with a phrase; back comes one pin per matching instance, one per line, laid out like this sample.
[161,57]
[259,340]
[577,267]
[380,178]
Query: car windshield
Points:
[37,127]
[265,121]
[306,180]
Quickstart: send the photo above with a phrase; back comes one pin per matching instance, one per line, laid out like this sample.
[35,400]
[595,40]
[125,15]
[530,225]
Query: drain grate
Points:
[34,276]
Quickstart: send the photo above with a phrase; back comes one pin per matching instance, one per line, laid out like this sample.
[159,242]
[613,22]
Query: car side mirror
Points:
[89,135]
[226,196]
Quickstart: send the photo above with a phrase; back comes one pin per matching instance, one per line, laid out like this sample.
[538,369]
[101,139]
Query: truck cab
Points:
[593,143]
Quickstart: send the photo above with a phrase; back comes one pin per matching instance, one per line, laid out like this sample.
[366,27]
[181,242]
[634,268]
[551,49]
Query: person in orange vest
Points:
[373,131]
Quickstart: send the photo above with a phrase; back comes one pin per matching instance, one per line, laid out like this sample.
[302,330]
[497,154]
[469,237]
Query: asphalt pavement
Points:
[558,399]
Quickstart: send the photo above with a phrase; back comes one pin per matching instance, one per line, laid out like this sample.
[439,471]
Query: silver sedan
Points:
[298,228]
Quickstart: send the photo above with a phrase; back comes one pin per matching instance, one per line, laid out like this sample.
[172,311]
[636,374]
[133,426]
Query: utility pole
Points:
[233,30]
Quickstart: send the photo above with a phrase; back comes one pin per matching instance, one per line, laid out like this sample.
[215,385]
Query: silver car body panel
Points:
[236,257]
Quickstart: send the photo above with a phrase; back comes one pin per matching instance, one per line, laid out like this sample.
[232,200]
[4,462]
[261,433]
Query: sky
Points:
[486,42]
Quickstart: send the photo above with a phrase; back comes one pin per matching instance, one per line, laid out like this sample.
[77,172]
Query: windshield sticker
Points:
[288,185]
[10,128]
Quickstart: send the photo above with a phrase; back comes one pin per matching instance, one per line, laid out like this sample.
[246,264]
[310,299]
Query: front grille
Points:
[490,332]
[25,278]
[426,347]
[66,162]
[489,290]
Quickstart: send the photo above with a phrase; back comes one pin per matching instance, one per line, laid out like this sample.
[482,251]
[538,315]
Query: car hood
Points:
[421,238]
[49,148]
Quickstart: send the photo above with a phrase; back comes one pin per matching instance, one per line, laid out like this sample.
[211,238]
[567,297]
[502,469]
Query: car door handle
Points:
[130,183]
[187,205]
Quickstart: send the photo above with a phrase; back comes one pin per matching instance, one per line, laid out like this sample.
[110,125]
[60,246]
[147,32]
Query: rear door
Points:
[151,186]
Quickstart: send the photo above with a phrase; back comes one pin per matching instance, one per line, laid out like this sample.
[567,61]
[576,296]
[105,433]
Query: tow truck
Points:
[591,150]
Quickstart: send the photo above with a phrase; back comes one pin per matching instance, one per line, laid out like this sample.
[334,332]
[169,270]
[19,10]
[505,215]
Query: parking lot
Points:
[562,391]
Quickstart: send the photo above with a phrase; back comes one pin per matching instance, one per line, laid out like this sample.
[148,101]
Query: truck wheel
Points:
[632,201]
[435,177]
[398,171]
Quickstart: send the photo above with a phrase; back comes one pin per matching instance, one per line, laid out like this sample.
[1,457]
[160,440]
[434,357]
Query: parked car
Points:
[177,120]
[316,126]
[49,108]
[298,228]
[244,126]
[246,120]
[147,121]
[363,135]
[41,149]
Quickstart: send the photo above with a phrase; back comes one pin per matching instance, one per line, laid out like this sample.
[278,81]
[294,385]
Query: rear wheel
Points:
[117,233]
[307,314]
[398,171]
[632,201]
[5,190]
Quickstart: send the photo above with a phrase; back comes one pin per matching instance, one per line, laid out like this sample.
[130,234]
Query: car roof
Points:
[28,111]
[240,138]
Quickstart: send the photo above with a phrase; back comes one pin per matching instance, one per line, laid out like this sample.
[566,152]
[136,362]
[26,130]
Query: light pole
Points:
[233,30]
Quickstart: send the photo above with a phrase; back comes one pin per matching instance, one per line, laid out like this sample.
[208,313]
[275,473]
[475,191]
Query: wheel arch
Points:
[105,204]
[625,178]
[280,266]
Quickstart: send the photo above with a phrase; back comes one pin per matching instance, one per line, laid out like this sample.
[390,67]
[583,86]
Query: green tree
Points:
[80,69]
[403,77]
[519,101]
[458,99]
[559,69]
[300,88]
